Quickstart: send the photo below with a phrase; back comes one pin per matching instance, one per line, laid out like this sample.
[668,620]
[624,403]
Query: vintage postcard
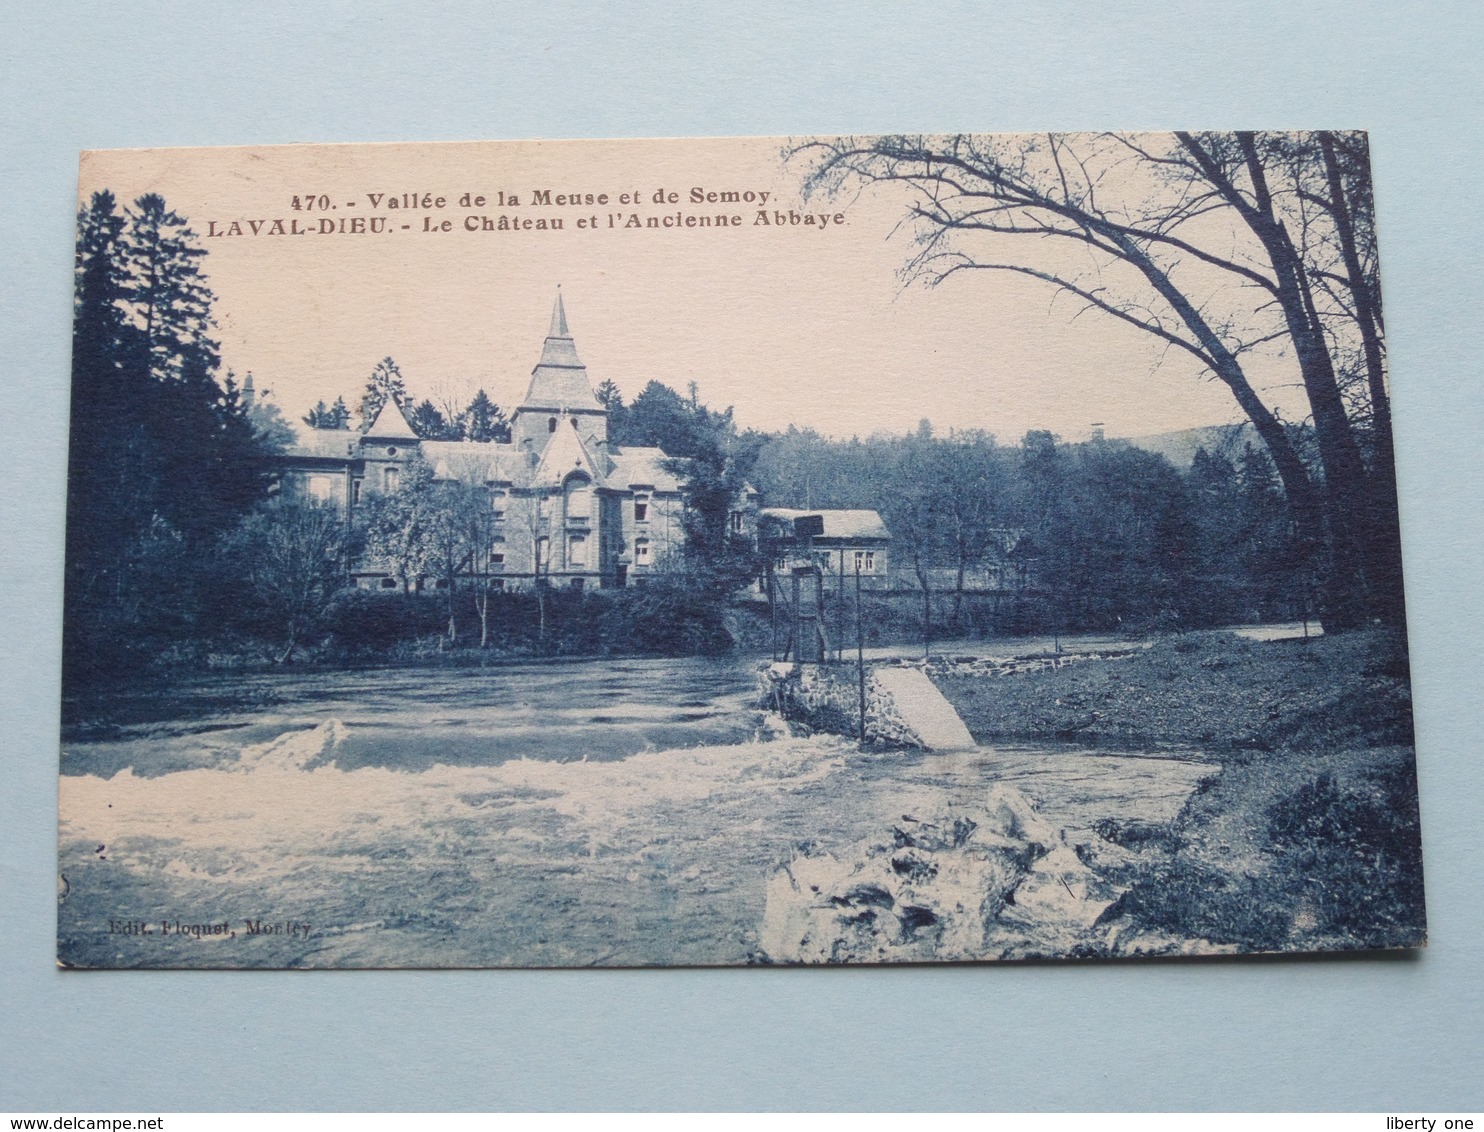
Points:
[733,551]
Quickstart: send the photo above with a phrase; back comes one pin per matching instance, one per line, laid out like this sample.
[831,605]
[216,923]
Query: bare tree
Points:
[536,525]
[480,533]
[1185,237]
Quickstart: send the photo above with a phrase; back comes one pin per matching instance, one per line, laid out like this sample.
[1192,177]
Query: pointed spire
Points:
[558,318]
[559,380]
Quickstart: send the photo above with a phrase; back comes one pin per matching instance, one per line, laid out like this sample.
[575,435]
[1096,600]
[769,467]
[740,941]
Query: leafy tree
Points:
[271,430]
[659,417]
[397,526]
[294,556]
[971,479]
[385,381]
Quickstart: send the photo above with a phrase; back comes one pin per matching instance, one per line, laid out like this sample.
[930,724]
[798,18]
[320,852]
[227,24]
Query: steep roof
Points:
[391,423]
[559,380]
[474,461]
[644,467]
[565,453]
[324,443]
[844,524]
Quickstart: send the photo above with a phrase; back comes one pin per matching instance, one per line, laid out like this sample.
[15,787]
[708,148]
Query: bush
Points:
[663,618]
[1354,856]
[359,620]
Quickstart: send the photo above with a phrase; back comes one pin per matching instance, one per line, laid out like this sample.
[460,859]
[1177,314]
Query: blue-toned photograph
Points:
[828,550]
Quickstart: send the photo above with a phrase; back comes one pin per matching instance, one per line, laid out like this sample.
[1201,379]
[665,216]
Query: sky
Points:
[791,323]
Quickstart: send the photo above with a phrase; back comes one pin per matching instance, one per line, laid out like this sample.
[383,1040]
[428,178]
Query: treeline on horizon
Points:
[179,548]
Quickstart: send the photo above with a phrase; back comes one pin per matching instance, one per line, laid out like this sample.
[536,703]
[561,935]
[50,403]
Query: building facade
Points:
[566,506]
[841,544]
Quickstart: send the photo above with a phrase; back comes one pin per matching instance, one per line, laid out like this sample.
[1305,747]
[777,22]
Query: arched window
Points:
[550,424]
[579,498]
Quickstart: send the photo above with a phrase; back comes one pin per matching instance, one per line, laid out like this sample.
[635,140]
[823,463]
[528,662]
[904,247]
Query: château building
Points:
[567,505]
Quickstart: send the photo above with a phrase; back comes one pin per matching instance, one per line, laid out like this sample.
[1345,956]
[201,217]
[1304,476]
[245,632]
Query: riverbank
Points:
[1305,837]
[1212,690]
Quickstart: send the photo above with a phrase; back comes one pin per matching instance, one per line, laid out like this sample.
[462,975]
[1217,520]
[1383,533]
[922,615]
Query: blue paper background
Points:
[1299,1034]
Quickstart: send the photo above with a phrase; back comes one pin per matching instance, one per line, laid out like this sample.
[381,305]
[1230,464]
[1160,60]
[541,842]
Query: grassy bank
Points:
[1211,690]
[1305,837]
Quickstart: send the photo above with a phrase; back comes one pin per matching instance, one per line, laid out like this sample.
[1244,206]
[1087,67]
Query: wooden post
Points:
[860,651]
[772,610]
[840,609]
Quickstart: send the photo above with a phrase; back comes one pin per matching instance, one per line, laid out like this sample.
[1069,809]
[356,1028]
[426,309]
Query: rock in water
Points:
[996,881]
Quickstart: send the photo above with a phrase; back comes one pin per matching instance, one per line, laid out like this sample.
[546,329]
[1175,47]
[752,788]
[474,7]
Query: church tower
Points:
[560,395]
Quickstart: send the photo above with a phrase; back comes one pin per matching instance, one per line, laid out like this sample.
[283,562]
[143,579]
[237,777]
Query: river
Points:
[603,812]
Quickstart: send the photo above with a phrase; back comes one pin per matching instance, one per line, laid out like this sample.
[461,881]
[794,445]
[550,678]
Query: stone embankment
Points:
[820,698]
[939,666]
[904,708]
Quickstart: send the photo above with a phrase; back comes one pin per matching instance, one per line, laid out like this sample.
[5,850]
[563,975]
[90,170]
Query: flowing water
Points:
[621,812]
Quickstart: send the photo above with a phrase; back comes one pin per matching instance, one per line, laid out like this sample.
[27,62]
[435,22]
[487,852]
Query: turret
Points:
[560,394]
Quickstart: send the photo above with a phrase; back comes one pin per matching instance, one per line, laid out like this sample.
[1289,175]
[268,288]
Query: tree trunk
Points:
[1385,556]
[453,631]
[958,596]
[927,607]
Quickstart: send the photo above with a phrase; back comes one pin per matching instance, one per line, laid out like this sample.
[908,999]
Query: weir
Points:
[924,709]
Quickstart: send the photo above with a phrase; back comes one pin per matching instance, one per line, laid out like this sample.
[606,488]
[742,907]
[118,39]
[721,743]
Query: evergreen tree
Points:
[107,482]
[612,400]
[167,299]
[164,458]
[1279,573]
[333,417]
[209,465]
[385,381]
[483,420]
[608,396]
[429,422]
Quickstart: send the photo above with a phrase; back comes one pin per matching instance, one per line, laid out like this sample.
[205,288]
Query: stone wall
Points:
[822,697]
